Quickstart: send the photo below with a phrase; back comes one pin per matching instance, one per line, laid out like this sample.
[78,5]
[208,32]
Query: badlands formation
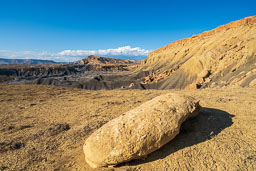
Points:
[48,127]
[225,56]
[222,57]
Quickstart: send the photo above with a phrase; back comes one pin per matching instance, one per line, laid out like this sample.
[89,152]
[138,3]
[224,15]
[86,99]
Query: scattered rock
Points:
[6,146]
[148,79]
[192,86]
[11,127]
[204,74]
[252,83]
[156,76]
[3,167]
[131,85]
[17,146]
[58,128]
[24,127]
[207,80]
[140,131]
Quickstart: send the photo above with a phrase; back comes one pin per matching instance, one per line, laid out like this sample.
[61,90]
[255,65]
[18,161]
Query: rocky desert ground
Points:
[44,128]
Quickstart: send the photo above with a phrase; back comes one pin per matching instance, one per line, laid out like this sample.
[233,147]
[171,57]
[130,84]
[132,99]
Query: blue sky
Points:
[67,30]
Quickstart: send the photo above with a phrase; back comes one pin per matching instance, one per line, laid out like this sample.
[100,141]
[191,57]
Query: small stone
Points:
[131,85]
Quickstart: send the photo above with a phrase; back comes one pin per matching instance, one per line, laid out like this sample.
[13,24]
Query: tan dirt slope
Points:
[44,128]
[225,56]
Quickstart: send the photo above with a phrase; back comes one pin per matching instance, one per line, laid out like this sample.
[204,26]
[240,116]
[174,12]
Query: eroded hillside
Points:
[225,56]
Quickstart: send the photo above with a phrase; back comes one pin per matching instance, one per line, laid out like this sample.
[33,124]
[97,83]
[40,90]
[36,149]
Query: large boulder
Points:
[140,131]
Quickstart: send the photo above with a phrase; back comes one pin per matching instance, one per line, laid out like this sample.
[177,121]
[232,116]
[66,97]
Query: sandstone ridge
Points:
[225,56]
[244,21]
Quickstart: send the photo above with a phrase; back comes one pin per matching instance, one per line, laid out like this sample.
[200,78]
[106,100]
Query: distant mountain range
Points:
[4,61]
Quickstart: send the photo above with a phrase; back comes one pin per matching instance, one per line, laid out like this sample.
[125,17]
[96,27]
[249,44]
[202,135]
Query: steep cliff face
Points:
[225,56]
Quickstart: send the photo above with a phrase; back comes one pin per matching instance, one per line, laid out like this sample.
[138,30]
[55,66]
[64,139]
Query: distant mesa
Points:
[92,59]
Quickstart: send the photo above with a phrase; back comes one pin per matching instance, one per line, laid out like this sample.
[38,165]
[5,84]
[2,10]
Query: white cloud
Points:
[125,50]
[74,55]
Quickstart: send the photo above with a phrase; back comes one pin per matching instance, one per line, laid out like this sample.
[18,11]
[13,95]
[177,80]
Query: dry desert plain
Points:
[44,128]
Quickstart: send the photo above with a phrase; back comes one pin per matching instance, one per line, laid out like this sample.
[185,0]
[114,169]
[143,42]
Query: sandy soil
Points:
[44,128]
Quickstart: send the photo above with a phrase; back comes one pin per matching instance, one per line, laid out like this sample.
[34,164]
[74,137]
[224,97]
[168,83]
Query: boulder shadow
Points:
[209,123]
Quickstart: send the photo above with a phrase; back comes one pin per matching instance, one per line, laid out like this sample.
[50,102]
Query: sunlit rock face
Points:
[140,131]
